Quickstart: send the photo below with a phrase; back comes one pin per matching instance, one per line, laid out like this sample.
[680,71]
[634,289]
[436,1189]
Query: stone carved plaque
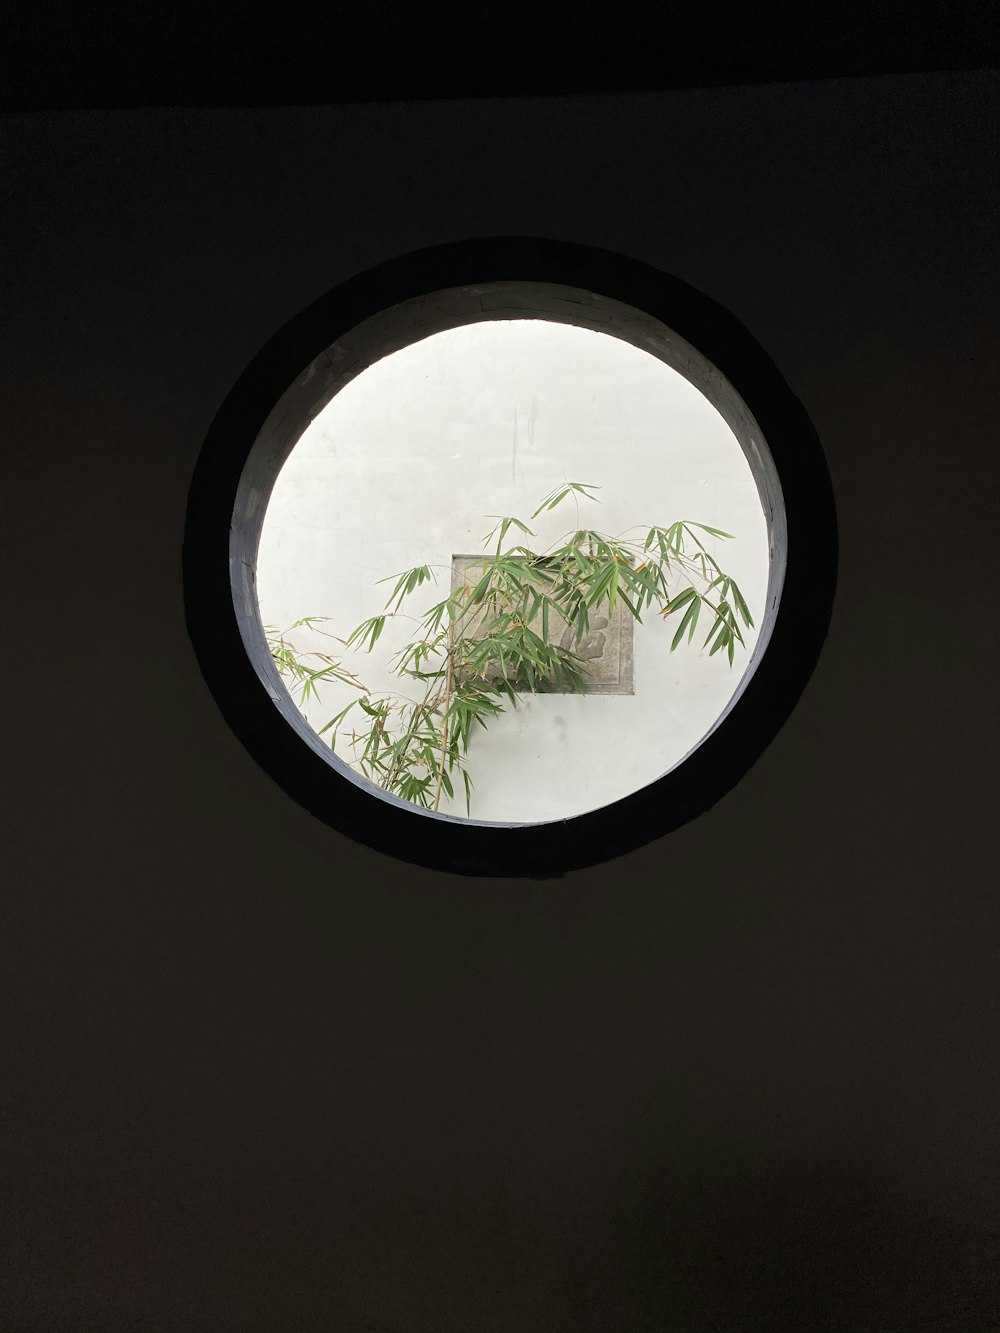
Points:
[607,649]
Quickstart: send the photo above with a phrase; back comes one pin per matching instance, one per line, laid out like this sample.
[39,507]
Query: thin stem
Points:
[392,773]
[444,733]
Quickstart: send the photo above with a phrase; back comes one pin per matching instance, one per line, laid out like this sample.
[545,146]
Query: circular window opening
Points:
[476,562]
[505,573]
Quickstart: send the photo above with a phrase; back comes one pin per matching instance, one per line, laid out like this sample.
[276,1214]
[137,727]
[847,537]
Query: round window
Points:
[490,554]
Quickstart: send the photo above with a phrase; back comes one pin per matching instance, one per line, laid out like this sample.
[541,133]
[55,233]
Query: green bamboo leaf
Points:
[682,599]
[717,626]
[401,582]
[548,502]
[693,537]
[716,532]
[744,610]
[696,608]
[689,614]
[628,602]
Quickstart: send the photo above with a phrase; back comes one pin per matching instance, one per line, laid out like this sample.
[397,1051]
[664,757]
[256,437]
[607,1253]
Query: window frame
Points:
[375,313]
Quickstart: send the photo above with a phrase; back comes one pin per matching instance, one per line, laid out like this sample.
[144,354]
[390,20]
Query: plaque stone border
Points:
[615,673]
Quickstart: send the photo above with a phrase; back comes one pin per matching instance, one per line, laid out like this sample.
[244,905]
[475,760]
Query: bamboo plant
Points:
[516,626]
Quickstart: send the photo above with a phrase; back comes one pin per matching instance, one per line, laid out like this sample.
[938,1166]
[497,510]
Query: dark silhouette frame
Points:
[360,321]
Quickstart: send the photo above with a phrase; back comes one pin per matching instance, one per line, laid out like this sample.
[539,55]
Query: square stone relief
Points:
[607,649]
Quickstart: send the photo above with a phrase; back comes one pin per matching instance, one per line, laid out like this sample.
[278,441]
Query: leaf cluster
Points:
[304,672]
[513,626]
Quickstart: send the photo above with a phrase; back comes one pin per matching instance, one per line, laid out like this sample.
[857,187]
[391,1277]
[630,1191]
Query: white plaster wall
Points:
[402,467]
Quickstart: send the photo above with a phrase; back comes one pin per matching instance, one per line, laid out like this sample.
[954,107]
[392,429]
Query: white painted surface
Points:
[405,463]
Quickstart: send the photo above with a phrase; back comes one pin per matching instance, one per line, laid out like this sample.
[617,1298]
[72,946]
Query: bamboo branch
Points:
[447,699]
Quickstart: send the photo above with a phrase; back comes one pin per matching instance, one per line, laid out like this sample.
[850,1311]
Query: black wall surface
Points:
[260,1079]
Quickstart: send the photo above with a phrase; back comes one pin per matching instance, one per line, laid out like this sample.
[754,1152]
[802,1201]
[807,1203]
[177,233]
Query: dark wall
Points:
[261,1079]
